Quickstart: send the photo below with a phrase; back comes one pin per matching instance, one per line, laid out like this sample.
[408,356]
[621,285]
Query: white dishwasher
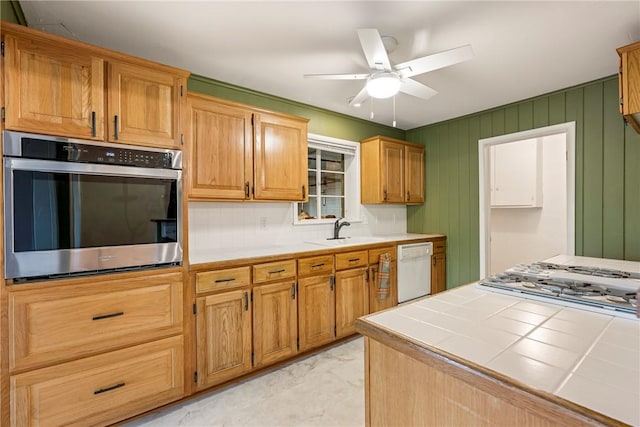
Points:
[414,270]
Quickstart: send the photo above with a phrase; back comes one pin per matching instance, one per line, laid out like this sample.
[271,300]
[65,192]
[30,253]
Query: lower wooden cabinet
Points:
[438,268]
[101,389]
[376,303]
[352,299]
[275,329]
[316,311]
[223,333]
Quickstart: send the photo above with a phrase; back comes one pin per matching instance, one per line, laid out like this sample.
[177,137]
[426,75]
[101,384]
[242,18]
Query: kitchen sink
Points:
[346,241]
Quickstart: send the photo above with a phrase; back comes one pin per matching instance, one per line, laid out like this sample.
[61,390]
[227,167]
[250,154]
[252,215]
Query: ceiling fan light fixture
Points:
[383,85]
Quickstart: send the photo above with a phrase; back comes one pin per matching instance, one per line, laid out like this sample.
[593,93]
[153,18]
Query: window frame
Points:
[351,151]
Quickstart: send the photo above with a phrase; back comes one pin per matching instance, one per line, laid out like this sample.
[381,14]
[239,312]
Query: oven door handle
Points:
[88,168]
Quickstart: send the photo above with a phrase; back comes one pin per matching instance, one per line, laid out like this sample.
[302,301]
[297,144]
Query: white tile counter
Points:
[224,254]
[587,358]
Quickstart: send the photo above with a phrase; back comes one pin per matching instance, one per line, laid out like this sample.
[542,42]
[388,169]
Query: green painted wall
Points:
[607,174]
[322,122]
[11,11]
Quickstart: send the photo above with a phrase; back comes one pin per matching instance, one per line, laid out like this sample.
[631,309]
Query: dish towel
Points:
[384,266]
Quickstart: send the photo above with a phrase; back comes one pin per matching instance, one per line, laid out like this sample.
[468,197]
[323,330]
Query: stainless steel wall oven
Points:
[76,207]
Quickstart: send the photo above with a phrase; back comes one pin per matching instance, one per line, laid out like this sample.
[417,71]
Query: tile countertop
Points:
[588,358]
[226,254]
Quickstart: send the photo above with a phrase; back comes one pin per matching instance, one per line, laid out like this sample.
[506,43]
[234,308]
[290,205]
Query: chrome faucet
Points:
[337,226]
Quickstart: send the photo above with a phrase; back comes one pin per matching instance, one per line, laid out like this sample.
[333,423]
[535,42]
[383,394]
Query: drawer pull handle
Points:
[354,260]
[106,389]
[115,126]
[277,271]
[230,279]
[108,316]
[316,265]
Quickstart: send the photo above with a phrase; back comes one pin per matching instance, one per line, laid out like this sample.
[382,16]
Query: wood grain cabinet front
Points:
[238,152]
[102,389]
[144,105]
[316,311]
[439,267]
[224,279]
[54,324]
[275,329]
[392,171]
[223,333]
[629,84]
[271,271]
[53,88]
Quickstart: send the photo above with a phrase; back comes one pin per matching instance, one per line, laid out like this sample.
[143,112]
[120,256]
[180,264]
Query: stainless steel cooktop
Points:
[591,288]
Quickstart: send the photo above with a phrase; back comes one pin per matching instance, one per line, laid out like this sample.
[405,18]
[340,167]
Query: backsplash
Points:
[215,225]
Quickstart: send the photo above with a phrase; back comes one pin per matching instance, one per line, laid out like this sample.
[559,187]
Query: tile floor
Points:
[326,389]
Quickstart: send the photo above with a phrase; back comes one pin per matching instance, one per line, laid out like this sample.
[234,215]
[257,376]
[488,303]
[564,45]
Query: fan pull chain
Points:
[394,111]
[371,105]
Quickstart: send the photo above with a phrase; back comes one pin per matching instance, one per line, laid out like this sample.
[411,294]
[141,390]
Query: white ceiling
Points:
[522,49]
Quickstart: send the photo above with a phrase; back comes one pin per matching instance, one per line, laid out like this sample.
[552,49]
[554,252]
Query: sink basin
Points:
[346,241]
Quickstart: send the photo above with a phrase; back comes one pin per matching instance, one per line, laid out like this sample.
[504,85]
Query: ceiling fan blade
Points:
[374,49]
[435,61]
[336,76]
[416,89]
[360,97]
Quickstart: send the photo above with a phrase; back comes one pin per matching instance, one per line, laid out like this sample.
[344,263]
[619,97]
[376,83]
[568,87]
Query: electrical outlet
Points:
[263,222]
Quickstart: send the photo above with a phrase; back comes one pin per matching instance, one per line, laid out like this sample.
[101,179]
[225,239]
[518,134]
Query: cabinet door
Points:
[220,147]
[375,303]
[414,174]
[144,106]
[438,273]
[53,89]
[392,170]
[280,158]
[223,328]
[274,322]
[316,311]
[352,299]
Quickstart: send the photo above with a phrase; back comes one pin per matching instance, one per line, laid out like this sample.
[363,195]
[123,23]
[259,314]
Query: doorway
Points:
[527,196]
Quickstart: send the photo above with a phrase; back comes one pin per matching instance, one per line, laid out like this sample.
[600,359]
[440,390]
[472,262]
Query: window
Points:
[334,186]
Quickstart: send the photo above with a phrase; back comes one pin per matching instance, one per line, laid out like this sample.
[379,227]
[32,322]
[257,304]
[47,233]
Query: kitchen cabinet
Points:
[316,311]
[241,153]
[629,84]
[351,291]
[63,87]
[438,267]
[53,88]
[392,171]
[376,303]
[94,350]
[516,174]
[275,317]
[223,333]
[144,105]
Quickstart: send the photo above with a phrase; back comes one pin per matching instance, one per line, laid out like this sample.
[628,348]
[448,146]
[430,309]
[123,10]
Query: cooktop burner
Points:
[589,287]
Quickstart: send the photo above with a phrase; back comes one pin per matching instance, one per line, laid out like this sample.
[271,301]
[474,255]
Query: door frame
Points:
[569,129]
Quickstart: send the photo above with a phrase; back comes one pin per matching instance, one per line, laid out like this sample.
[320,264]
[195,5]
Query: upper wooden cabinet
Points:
[53,88]
[629,81]
[392,171]
[240,153]
[144,105]
[63,87]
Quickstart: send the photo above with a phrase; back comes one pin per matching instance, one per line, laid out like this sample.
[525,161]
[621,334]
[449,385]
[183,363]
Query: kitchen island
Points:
[470,356]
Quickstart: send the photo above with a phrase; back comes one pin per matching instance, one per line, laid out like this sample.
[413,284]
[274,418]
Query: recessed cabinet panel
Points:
[53,89]
[516,174]
[414,174]
[220,149]
[144,106]
[392,171]
[316,312]
[280,158]
[352,299]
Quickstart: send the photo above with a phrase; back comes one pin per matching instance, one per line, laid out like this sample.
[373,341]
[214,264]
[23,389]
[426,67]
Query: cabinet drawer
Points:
[100,389]
[55,324]
[351,260]
[274,270]
[229,278]
[315,265]
[374,254]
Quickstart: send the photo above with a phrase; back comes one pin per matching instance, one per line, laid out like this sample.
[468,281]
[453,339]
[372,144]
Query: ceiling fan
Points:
[384,79]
